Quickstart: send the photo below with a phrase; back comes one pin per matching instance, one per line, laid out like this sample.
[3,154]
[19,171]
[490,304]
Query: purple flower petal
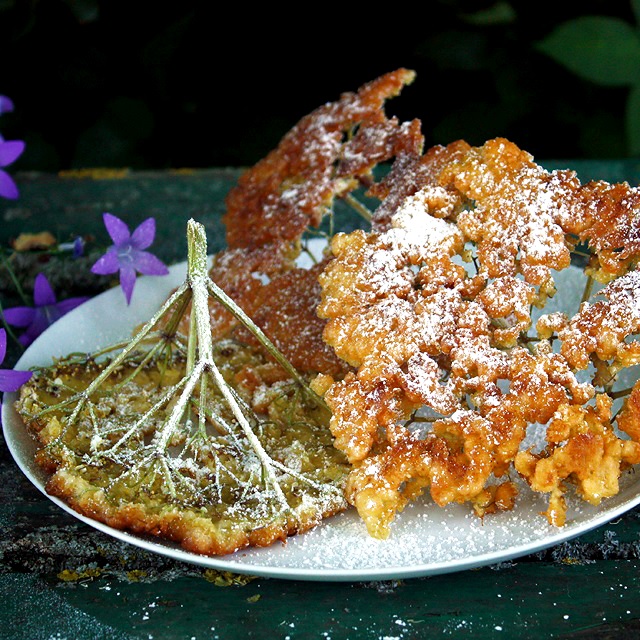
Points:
[41,321]
[108,263]
[10,151]
[78,247]
[127,281]
[11,380]
[6,104]
[44,313]
[19,316]
[3,344]
[43,294]
[70,303]
[143,235]
[117,229]
[127,254]
[8,188]
[149,265]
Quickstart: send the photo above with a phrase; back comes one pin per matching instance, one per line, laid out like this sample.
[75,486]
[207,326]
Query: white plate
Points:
[425,539]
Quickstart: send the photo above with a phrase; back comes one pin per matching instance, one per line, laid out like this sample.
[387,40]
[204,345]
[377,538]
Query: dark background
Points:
[197,84]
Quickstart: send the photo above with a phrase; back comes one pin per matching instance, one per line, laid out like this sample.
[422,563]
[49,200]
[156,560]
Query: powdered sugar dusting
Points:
[428,539]
[413,229]
[624,293]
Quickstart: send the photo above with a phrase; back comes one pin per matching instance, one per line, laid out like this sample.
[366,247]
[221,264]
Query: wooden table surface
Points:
[60,578]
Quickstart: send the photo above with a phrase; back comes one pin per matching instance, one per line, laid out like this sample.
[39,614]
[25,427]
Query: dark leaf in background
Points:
[603,50]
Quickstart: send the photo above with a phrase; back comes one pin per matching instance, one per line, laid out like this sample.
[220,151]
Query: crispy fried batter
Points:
[582,448]
[324,156]
[519,210]
[433,309]
[600,329]
[611,227]
[217,501]
[285,308]
[242,275]
[413,171]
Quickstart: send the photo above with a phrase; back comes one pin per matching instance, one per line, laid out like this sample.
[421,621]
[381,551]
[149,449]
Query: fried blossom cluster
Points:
[436,372]
[432,309]
[207,444]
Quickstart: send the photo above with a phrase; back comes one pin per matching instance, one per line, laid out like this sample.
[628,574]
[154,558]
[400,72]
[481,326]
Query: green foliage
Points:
[606,51]
[632,119]
[601,49]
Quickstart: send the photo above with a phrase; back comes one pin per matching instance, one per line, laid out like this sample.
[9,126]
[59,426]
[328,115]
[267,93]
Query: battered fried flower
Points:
[599,331]
[206,443]
[611,227]
[326,155]
[203,485]
[582,448]
[433,309]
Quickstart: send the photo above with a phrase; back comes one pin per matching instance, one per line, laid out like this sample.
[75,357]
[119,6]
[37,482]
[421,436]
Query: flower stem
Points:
[198,278]
[358,207]
[588,289]
[13,277]
[273,351]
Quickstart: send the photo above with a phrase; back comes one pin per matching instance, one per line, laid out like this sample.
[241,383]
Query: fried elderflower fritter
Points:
[202,486]
[426,335]
[433,310]
[324,156]
[215,445]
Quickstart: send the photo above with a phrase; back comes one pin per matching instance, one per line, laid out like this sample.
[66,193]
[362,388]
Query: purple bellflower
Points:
[10,380]
[127,253]
[76,247]
[10,150]
[45,312]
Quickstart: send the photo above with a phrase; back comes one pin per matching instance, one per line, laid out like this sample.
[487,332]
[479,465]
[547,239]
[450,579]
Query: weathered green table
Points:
[62,579]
